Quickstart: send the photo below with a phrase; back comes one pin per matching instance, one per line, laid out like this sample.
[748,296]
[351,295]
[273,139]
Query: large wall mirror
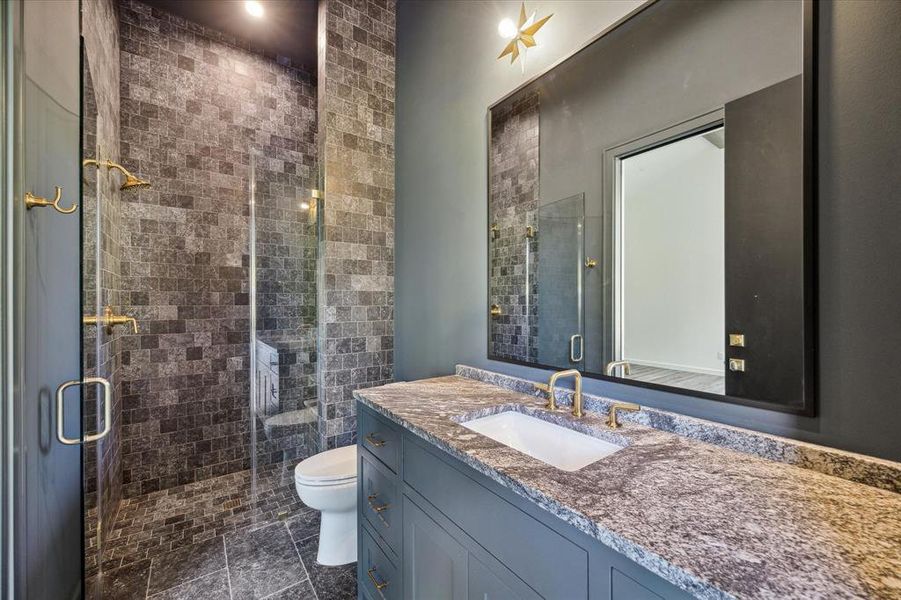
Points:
[651,206]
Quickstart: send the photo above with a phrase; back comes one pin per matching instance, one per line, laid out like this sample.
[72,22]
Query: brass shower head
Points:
[131,181]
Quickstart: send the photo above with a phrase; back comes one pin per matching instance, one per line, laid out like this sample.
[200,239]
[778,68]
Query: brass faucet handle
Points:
[612,423]
[545,390]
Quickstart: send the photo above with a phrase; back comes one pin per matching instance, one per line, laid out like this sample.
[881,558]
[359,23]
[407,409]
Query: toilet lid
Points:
[331,466]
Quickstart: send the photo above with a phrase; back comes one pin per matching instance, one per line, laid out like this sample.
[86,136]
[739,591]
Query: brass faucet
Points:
[611,366]
[109,320]
[577,395]
[612,423]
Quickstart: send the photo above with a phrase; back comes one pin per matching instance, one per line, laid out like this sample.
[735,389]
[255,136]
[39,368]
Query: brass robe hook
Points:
[32,201]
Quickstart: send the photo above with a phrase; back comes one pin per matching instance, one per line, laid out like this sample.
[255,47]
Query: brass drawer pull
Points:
[379,585]
[32,201]
[374,441]
[379,509]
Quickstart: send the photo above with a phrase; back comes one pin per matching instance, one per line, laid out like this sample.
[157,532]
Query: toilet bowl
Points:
[327,482]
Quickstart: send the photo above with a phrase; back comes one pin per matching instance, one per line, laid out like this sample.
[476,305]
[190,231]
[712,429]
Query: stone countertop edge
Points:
[654,563]
[684,529]
[859,468]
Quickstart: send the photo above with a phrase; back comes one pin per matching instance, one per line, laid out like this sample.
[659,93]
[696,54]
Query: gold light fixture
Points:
[523,33]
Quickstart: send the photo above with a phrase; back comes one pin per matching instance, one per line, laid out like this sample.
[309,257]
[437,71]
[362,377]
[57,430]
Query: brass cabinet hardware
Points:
[591,263]
[572,348]
[577,394]
[378,509]
[371,498]
[737,364]
[375,442]
[611,367]
[531,232]
[107,410]
[737,340]
[611,422]
[379,585]
[495,310]
[32,201]
[109,320]
[495,231]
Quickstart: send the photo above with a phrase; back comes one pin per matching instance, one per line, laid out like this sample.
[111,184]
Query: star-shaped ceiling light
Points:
[524,33]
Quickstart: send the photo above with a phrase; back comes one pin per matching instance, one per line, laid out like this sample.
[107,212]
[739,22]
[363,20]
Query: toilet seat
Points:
[329,468]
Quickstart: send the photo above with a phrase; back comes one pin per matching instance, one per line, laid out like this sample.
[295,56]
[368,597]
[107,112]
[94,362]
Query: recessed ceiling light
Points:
[254,8]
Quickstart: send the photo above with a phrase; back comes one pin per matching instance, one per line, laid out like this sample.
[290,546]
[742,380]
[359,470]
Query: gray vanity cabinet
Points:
[433,528]
[435,564]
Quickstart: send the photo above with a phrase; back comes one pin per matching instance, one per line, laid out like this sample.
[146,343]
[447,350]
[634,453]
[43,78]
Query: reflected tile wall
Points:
[513,206]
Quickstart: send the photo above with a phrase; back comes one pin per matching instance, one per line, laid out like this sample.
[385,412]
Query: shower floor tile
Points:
[227,537]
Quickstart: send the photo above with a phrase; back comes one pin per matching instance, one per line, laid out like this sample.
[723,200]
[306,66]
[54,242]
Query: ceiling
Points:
[287,27]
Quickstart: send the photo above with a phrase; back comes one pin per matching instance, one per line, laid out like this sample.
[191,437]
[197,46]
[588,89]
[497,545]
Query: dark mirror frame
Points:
[806,404]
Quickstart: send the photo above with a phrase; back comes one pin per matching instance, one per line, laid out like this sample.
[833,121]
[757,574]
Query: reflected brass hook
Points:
[32,201]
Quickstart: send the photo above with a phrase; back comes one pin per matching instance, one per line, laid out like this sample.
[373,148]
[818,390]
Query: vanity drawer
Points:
[380,501]
[378,577]
[509,534]
[379,437]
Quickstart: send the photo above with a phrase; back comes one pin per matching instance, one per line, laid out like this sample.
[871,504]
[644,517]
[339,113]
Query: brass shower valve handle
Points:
[109,320]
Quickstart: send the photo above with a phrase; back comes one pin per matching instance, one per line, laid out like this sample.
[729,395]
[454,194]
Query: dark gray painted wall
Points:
[444,88]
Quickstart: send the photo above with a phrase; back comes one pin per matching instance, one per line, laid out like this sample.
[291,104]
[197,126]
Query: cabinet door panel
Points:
[376,573]
[486,585]
[623,587]
[435,564]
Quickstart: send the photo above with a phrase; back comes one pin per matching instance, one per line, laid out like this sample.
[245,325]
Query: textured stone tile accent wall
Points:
[356,131]
[102,283]
[194,103]
[513,206]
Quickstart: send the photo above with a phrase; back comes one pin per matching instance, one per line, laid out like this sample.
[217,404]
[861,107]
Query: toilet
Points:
[327,482]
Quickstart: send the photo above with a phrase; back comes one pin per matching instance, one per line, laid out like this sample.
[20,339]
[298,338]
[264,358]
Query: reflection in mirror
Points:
[627,226]
[669,300]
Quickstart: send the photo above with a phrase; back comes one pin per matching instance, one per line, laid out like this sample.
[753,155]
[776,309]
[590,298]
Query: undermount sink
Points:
[557,446]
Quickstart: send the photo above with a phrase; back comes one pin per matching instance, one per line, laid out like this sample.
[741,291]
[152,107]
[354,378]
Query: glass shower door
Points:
[97,352]
[285,214]
[561,257]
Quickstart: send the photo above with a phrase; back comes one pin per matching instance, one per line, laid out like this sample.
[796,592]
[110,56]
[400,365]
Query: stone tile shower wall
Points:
[100,121]
[193,103]
[513,206]
[356,135]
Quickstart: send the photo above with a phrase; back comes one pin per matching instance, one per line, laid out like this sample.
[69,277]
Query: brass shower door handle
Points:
[32,201]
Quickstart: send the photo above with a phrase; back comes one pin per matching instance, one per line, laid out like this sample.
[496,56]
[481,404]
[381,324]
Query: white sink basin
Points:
[557,446]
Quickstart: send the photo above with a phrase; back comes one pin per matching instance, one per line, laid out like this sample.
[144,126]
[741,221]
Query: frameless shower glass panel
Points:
[558,333]
[284,239]
[97,357]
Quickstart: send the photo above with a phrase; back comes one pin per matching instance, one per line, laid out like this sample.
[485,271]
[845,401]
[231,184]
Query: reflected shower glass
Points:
[558,332]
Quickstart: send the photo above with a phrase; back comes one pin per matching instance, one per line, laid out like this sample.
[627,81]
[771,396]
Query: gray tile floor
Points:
[247,542]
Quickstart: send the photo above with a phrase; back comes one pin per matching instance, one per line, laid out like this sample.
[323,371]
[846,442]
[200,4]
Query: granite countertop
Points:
[713,521]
